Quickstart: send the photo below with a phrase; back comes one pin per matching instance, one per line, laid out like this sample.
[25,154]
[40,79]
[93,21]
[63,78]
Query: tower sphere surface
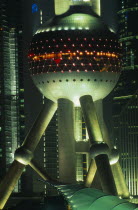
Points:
[74,54]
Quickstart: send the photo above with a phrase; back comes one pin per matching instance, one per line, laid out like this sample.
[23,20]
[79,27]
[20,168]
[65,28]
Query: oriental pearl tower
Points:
[74,61]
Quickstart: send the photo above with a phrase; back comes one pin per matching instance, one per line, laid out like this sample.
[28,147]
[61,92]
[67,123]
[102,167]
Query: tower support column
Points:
[96,6]
[96,139]
[91,120]
[91,173]
[122,189]
[105,174]
[66,141]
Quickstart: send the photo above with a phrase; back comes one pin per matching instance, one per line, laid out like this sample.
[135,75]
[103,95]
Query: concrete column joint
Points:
[23,155]
[99,149]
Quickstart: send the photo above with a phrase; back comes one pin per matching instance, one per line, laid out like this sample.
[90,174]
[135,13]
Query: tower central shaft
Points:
[62,6]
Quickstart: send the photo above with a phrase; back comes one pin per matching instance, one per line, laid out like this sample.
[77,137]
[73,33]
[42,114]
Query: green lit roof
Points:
[81,198]
[75,21]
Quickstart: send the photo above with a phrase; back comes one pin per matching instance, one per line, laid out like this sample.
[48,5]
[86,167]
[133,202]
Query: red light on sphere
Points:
[31,55]
[57,61]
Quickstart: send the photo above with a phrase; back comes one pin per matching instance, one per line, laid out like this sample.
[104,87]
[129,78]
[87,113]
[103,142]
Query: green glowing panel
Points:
[80,198]
[92,199]
[108,200]
[83,199]
[125,206]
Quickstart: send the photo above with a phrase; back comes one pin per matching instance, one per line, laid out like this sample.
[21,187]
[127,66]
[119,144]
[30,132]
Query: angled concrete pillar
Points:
[99,150]
[121,186]
[24,154]
[91,119]
[91,173]
[105,174]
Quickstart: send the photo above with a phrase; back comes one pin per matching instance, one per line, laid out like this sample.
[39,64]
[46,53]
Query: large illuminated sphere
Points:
[74,54]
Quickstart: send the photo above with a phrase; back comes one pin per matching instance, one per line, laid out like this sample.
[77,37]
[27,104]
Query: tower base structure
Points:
[100,151]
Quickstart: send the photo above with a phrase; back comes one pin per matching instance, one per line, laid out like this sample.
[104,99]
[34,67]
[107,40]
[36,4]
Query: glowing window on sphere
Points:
[34,8]
[80,0]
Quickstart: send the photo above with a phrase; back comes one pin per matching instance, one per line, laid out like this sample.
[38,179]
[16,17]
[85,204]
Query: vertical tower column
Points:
[96,6]
[61,6]
[99,109]
[66,145]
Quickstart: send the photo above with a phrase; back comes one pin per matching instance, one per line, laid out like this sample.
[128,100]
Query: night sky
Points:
[109,12]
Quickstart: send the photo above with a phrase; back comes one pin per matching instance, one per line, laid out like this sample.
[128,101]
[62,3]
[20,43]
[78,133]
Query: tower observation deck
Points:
[72,50]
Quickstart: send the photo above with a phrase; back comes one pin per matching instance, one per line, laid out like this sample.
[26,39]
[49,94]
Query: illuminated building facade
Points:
[11,84]
[127,133]
[128,33]
[125,97]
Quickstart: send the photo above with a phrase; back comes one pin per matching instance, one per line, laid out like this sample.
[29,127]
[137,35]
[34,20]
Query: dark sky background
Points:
[109,12]
[33,99]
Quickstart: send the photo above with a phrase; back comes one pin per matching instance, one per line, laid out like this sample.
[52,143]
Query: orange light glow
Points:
[107,54]
[105,68]
[69,55]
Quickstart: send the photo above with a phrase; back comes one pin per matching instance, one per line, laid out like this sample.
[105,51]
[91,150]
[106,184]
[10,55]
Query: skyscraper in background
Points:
[12,123]
[128,14]
[125,106]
